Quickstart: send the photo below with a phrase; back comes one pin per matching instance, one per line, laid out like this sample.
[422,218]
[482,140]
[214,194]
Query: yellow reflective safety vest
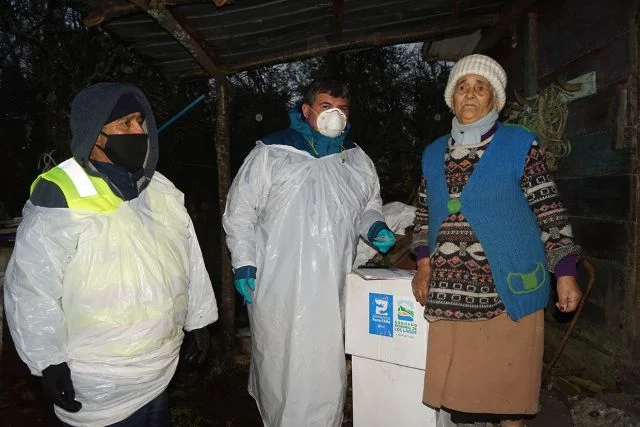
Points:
[81,190]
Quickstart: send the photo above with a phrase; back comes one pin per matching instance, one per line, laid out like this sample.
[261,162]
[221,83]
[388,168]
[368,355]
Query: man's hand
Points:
[569,294]
[245,282]
[384,240]
[420,281]
[57,386]
[381,236]
[197,344]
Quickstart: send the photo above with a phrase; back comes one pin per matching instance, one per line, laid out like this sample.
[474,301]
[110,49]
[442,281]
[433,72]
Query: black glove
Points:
[57,386]
[196,346]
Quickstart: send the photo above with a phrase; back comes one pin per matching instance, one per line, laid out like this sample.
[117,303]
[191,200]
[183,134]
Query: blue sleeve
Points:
[245,272]
[48,195]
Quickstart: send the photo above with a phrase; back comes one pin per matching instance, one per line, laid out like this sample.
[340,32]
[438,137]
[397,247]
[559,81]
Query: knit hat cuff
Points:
[483,66]
[125,105]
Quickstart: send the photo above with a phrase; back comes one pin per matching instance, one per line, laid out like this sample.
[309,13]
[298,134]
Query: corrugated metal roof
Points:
[250,33]
[453,48]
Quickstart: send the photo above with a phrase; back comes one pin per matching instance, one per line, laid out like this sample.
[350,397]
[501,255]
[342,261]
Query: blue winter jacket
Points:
[301,136]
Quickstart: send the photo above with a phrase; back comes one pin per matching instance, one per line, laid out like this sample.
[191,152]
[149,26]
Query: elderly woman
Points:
[489,230]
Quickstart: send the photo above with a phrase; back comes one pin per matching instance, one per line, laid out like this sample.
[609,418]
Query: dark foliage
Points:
[47,57]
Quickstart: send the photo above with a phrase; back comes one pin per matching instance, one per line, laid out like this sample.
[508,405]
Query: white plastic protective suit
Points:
[298,219]
[110,295]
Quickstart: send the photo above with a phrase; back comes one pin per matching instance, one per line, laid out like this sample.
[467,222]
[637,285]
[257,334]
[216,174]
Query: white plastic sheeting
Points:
[298,219]
[398,217]
[109,295]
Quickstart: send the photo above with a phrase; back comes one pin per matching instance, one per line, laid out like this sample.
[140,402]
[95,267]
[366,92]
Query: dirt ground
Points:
[212,395]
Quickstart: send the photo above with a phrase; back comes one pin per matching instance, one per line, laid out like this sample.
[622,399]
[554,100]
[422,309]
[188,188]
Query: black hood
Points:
[90,110]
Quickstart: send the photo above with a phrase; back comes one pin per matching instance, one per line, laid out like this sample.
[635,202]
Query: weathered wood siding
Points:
[598,180]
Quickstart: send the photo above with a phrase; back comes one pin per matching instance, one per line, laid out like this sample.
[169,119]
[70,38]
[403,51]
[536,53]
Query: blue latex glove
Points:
[245,280]
[381,236]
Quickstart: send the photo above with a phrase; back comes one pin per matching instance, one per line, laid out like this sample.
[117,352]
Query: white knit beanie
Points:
[483,66]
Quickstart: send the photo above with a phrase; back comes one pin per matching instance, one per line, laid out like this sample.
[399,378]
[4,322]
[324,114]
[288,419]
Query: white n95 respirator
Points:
[331,122]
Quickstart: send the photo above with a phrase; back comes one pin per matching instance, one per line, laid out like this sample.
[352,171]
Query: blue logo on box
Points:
[381,314]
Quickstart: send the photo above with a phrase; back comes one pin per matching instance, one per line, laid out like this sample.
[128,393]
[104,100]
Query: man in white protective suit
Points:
[295,211]
[107,272]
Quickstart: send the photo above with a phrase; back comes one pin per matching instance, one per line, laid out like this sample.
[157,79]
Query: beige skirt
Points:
[488,367]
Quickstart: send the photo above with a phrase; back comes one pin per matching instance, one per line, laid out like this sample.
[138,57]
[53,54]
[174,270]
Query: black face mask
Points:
[127,150]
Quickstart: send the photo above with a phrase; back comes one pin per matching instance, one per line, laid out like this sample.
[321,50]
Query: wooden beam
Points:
[337,9]
[107,11]
[632,136]
[456,9]
[442,30]
[206,58]
[510,13]
[335,61]
[223,162]
[531,56]
[112,9]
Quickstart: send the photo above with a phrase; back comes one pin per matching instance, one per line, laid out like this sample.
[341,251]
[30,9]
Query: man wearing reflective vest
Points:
[107,274]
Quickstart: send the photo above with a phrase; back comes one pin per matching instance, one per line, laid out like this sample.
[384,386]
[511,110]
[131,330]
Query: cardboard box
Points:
[385,394]
[386,334]
[384,321]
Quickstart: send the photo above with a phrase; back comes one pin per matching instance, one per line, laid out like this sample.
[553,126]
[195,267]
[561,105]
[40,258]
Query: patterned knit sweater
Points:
[459,267]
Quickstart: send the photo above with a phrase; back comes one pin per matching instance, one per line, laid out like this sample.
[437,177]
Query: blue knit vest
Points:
[493,203]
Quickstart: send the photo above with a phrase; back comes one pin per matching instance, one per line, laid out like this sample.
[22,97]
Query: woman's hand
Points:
[569,294]
[420,281]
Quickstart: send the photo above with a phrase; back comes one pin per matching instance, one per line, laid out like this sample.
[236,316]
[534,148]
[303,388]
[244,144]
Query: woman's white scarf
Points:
[471,134]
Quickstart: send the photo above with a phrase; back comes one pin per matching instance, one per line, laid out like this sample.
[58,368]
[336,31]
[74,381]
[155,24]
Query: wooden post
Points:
[222,142]
[631,138]
[531,56]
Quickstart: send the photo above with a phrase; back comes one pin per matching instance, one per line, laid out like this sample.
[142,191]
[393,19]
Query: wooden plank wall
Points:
[598,180]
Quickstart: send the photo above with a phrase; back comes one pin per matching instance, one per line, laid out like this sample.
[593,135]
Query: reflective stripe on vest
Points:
[79,178]
[81,190]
